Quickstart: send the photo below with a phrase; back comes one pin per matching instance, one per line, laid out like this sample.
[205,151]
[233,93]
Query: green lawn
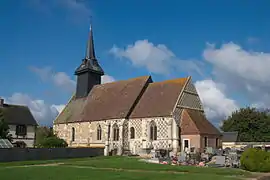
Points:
[110,168]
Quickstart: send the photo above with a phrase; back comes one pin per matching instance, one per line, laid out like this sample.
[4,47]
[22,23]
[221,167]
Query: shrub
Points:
[52,142]
[255,160]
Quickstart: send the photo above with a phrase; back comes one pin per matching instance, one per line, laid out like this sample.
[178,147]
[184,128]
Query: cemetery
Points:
[228,157]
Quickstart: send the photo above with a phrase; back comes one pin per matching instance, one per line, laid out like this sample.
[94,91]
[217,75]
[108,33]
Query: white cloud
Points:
[155,58]
[107,79]
[253,66]
[160,60]
[43,112]
[246,72]
[59,108]
[61,79]
[216,105]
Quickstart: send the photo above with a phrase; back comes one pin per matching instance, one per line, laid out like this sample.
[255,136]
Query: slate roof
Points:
[195,122]
[72,111]
[18,115]
[229,136]
[113,100]
[159,99]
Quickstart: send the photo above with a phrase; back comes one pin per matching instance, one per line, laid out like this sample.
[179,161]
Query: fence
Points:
[28,154]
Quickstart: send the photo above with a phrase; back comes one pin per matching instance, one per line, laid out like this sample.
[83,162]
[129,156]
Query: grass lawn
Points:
[110,168]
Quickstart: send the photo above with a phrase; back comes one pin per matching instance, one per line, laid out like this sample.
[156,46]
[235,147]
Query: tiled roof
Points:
[105,101]
[72,111]
[159,99]
[229,136]
[18,115]
[195,122]
[114,100]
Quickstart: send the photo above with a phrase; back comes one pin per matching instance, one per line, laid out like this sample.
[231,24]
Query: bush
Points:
[52,142]
[255,160]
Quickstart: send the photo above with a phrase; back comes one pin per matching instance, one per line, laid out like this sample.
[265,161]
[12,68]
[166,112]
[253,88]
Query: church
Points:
[134,115]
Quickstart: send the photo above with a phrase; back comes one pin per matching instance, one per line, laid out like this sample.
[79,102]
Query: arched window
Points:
[115,132]
[132,133]
[73,134]
[99,132]
[153,131]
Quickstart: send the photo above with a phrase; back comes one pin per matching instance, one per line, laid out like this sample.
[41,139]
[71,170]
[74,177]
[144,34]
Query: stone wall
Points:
[28,154]
[85,133]
[142,134]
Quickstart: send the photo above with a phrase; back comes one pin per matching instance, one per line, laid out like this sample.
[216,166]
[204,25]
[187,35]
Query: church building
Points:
[133,115]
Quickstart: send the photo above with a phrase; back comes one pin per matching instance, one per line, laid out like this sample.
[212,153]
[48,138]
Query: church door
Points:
[125,135]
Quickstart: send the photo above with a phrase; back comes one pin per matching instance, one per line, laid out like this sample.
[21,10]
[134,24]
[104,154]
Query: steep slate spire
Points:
[90,49]
[89,72]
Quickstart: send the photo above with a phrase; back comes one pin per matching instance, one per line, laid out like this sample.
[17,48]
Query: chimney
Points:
[1,102]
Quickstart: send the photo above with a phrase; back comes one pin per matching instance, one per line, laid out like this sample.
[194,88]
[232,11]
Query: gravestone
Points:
[171,154]
[153,154]
[220,160]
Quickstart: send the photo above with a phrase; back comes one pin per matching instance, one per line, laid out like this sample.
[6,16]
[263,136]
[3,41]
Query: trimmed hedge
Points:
[255,160]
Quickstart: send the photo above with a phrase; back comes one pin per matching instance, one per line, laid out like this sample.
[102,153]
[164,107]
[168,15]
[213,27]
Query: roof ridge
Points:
[125,80]
[176,80]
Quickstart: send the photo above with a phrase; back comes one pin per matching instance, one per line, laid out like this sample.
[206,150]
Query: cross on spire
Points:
[90,50]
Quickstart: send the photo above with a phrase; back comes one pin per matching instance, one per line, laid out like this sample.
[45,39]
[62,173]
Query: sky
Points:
[223,45]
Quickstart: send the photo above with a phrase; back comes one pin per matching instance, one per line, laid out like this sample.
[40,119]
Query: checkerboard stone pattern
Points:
[125,134]
[162,128]
[137,124]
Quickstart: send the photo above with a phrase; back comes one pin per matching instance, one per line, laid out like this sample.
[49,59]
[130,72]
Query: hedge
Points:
[255,160]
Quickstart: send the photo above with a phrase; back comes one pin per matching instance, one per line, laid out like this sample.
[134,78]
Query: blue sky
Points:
[41,38]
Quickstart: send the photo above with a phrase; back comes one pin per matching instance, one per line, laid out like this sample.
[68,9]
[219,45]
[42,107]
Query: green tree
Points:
[41,133]
[4,128]
[250,123]
[52,142]
[45,138]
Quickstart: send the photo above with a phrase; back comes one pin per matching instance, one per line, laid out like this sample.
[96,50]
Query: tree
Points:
[250,123]
[52,142]
[45,138]
[4,128]
[41,133]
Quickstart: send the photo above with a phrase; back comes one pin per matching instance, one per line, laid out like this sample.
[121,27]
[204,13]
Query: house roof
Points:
[18,115]
[195,122]
[159,99]
[113,100]
[72,111]
[229,136]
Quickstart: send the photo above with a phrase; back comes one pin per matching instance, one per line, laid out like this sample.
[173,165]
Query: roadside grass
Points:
[39,162]
[71,173]
[135,164]
[111,168]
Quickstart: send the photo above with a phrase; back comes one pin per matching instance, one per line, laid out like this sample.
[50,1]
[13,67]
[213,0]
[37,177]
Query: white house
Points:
[21,122]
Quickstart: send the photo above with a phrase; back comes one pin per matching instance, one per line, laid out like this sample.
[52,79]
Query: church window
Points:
[153,131]
[109,131]
[132,133]
[217,142]
[73,134]
[99,132]
[115,132]
[205,141]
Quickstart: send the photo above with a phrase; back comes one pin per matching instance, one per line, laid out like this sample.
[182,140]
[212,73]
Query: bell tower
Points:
[89,72]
